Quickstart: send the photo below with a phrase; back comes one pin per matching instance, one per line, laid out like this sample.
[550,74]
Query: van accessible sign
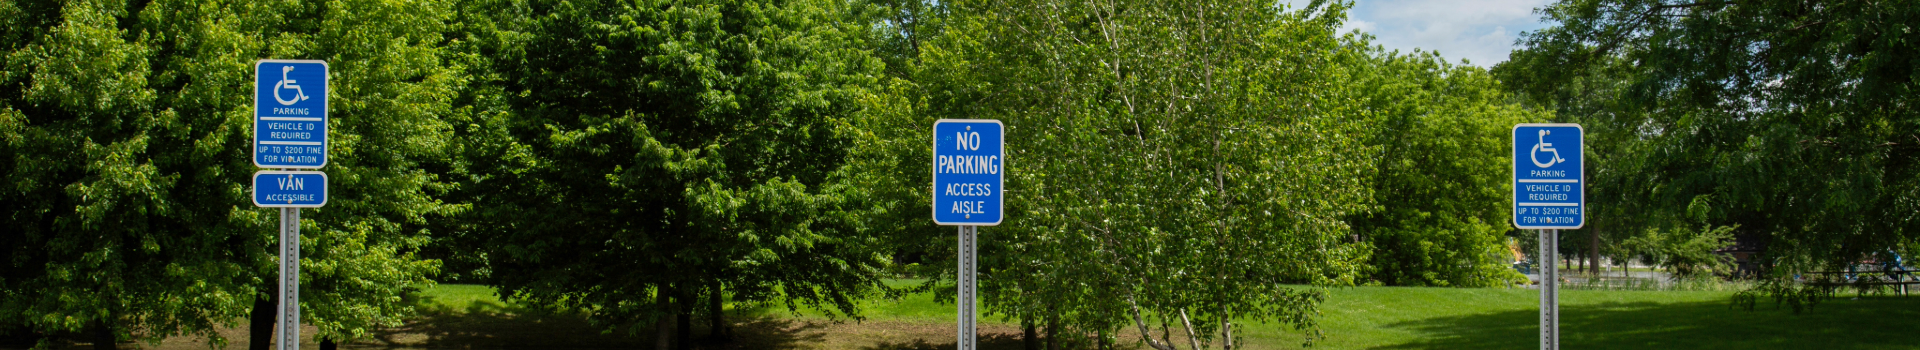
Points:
[1549,186]
[289,189]
[969,158]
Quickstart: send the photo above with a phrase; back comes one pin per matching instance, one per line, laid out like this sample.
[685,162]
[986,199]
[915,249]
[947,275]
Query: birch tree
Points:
[1173,166]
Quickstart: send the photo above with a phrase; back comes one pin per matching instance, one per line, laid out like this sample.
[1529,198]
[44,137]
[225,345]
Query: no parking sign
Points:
[969,158]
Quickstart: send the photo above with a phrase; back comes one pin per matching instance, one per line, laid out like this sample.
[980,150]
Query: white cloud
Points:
[1354,24]
[1481,31]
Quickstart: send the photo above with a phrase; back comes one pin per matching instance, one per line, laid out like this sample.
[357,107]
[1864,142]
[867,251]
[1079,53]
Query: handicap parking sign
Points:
[290,114]
[1549,186]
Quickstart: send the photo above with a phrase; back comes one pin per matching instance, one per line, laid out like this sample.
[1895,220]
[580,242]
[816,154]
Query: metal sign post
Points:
[289,191]
[969,174]
[968,266]
[289,319]
[1549,188]
[1550,289]
[290,132]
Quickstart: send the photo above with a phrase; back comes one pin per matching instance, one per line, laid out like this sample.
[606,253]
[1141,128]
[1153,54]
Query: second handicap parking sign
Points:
[290,114]
[1548,176]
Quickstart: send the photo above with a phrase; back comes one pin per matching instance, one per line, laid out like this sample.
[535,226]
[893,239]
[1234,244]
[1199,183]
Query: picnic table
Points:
[1864,276]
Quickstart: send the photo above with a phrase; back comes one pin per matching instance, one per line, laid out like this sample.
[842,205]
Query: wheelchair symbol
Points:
[298,95]
[1546,147]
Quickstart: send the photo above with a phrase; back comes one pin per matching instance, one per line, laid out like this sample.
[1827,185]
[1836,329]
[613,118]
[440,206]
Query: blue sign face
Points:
[289,189]
[969,158]
[1548,176]
[290,114]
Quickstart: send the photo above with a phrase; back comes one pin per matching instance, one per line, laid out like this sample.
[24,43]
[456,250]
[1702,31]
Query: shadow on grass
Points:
[493,325]
[1838,323]
[987,342]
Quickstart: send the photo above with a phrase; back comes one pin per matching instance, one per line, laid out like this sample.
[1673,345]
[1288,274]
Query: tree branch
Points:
[1642,19]
[1145,333]
[1192,340]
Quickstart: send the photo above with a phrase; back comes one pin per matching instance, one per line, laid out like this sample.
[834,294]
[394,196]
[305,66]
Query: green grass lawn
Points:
[460,298]
[1424,318]
[1460,318]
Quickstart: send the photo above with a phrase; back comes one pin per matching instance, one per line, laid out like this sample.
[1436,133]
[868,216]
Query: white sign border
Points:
[326,106]
[933,188]
[1513,203]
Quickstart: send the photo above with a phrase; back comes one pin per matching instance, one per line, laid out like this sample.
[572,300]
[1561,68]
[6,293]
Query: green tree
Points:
[393,88]
[1687,253]
[631,158]
[1442,177]
[1172,165]
[1618,143]
[1798,118]
[127,128]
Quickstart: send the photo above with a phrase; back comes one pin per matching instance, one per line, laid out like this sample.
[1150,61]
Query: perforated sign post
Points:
[290,132]
[969,158]
[1549,188]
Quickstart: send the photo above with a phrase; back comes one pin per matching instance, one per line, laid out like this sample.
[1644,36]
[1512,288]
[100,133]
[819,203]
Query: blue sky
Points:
[1481,31]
